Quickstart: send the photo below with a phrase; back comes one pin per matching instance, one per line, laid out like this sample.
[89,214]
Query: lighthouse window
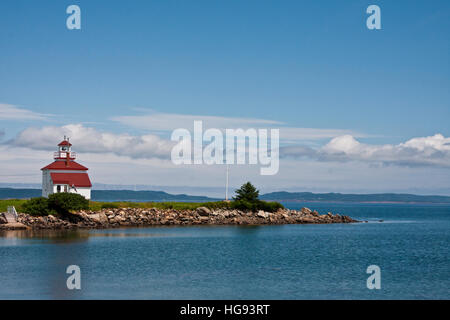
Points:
[58,188]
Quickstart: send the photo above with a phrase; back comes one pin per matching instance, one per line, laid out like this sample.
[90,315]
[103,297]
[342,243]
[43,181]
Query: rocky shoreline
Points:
[135,217]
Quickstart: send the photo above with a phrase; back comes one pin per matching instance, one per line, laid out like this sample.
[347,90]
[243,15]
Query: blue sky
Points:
[305,64]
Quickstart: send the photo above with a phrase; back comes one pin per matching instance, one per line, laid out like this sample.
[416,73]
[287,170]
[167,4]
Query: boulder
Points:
[306,211]
[203,211]
[13,226]
[99,218]
[52,218]
[262,214]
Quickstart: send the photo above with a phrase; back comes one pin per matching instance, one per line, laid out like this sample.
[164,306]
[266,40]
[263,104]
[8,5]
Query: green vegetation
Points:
[58,203]
[38,207]
[17,203]
[64,202]
[246,199]
[247,192]
[256,205]
[32,208]
[97,205]
[238,205]
[109,205]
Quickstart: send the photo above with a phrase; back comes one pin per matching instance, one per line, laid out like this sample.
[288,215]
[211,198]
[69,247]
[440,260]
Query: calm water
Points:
[411,247]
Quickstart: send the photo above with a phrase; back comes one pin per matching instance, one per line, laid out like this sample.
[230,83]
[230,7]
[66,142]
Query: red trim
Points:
[65,143]
[71,179]
[64,165]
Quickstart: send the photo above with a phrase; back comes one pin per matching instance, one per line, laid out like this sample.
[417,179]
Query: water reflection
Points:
[79,235]
[52,236]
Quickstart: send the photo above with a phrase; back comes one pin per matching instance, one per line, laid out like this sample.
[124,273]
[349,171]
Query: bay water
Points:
[409,243]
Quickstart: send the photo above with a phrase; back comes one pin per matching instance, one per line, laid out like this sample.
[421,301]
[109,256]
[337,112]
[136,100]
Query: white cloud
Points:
[298,134]
[422,151]
[171,121]
[345,171]
[10,112]
[87,139]
[167,122]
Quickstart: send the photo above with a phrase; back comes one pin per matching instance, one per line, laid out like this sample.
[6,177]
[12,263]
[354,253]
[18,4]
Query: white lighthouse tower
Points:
[64,174]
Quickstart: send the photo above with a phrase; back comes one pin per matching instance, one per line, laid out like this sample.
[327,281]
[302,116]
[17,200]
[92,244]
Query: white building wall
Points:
[47,184]
[48,187]
[85,192]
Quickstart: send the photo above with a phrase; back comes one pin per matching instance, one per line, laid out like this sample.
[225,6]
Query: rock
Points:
[306,211]
[99,218]
[107,218]
[3,219]
[116,219]
[262,214]
[306,220]
[13,226]
[203,211]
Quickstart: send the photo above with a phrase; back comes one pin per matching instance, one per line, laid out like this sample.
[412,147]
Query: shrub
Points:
[270,206]
[37,207]
[257,205]
[243,205]
[64,202]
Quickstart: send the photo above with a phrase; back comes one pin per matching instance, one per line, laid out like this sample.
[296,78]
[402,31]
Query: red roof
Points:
[72,179]
[64,143]
[63,165]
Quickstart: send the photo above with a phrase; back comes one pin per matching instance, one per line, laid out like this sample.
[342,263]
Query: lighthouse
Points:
[64,174]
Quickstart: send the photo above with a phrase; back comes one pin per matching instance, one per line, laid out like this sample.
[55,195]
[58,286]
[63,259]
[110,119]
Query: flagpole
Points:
[226,186]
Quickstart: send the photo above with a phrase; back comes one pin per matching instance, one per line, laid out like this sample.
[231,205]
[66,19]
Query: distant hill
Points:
[108,195]
[129,195]
[339,197]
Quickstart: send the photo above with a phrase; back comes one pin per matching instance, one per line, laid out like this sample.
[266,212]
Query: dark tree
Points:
[247,192]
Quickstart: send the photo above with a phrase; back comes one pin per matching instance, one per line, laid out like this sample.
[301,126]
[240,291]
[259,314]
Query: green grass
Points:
[17,203]
[98,205]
